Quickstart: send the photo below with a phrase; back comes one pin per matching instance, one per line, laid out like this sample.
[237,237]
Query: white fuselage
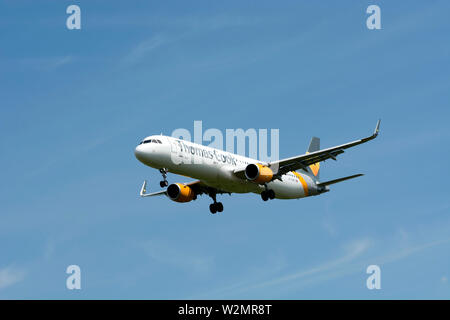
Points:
[215,168]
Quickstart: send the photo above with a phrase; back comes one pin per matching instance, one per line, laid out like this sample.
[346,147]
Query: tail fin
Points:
[314,145]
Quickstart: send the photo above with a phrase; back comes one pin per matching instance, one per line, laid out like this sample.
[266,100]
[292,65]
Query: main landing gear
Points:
[216,206]
[164,182]
[267,194]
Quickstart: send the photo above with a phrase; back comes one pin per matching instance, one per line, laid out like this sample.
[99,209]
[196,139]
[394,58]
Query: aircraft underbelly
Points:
[286,189]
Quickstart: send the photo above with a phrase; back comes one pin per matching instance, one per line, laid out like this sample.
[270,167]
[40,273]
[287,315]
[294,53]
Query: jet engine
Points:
[258,173]
[180,193]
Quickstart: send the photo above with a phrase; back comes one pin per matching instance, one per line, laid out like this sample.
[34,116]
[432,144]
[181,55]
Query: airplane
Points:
[221,172]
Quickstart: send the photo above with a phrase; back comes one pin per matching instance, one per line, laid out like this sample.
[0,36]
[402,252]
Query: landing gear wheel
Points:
[271,194]
[164,183]
[215,206]
[264,195]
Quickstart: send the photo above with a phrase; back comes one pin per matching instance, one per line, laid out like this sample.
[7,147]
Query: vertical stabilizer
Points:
[314,145]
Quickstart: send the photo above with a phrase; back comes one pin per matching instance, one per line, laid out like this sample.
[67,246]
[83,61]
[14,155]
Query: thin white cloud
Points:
[46,63]
[210,23]
[59,62]
[181,28]
[321,272]
[353,250]
[186,22]
[10,276]
[168,255]
[145,48]
[329,226]
[402,253]
[355,256]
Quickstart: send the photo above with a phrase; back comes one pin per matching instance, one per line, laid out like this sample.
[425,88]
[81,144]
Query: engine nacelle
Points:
[180,193]
[258,173]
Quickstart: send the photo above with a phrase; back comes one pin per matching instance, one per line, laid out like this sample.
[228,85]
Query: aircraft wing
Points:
[303,161]
[144,193]
[307,159]
[197,186]
[240,173]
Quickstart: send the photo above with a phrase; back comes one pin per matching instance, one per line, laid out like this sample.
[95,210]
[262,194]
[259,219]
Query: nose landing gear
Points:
[164,182]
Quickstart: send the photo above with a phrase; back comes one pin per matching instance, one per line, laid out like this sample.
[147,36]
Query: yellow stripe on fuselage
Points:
[302,181]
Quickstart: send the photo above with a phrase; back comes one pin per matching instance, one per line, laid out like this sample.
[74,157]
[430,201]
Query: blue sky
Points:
[74,104]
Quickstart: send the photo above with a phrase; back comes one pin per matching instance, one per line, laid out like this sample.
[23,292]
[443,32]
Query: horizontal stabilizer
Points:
[327,183]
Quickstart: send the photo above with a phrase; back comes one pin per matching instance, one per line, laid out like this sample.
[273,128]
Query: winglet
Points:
[144,193]
[143,189]
[377,128]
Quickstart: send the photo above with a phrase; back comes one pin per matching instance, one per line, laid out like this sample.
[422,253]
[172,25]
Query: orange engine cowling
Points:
[258,173]
[180,193]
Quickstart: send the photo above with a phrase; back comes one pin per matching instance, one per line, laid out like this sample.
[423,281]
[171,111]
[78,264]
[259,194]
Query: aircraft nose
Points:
[139,153]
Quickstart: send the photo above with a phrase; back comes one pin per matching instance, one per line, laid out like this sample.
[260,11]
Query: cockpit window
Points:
[151,141]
